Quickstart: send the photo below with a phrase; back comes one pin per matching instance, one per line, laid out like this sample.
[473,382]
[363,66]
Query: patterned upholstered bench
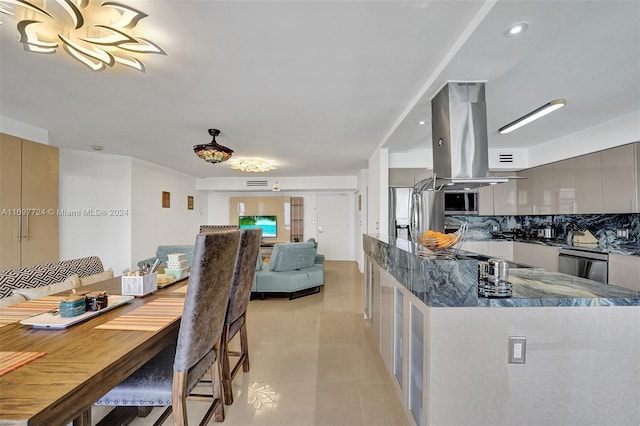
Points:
[37,276]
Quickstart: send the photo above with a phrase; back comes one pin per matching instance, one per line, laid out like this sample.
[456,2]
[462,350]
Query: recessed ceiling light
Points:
[516,29]
[422,122]
[97,147]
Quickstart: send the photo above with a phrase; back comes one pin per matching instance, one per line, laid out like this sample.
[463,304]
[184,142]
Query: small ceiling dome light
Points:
[97,147]
[213,152]
[516,29]
[533,115]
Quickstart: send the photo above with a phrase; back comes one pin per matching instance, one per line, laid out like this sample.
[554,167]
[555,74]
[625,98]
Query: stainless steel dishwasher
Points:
[584,264]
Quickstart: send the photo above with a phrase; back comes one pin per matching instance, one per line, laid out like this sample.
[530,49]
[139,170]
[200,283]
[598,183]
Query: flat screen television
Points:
[268,224]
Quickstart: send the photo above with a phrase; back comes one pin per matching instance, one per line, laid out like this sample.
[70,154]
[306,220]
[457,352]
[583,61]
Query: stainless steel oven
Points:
[460,202]
[584,264]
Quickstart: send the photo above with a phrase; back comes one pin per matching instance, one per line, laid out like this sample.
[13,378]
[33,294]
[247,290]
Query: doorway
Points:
[334,230]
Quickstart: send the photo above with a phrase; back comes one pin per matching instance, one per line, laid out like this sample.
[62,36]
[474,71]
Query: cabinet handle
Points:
[19,227]
[26,234]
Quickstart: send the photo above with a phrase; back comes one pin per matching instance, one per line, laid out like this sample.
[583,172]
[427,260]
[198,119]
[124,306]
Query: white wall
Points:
[378,196]
[361,216]
[300,183]
[23,130]
[582,366]
[102,182]
[218,203]
[151,224]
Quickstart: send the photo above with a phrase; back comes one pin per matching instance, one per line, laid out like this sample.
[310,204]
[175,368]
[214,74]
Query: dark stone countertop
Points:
[452,281]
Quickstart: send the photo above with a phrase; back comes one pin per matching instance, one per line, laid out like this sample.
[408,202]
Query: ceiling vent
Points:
[257,184]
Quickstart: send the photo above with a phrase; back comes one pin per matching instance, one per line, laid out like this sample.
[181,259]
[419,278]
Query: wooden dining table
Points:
[81,363]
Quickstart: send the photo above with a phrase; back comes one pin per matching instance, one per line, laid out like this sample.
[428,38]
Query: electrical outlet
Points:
[517,349]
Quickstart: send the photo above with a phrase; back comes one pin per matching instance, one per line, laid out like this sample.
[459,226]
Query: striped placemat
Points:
[151,317]
[10,361]
[181,290]
[20,311]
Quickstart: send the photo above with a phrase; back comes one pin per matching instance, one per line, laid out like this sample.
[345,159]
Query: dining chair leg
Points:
[218,392]
[83,419]
[244,345]
[179,398]
[225,367]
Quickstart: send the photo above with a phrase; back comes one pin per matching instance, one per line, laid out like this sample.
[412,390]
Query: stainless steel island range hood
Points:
[460,141]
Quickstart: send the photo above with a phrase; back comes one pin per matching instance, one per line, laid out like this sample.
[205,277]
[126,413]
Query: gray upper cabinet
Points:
[486,203]
[564,183]
[602,182]
[588,178]
[525,192]
[618,180]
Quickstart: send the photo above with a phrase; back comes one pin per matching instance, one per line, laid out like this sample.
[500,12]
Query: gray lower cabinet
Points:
[624,271]
[536,255]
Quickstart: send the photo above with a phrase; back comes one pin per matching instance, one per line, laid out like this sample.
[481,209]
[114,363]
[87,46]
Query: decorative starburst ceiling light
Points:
[98,35]
[255,165]
[213,152]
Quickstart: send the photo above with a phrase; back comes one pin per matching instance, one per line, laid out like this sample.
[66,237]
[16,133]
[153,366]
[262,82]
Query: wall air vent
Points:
[505,158]
[257,184]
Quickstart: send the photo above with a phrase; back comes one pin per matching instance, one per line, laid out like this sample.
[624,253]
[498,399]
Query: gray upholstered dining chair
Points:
[235,320]
[168,378]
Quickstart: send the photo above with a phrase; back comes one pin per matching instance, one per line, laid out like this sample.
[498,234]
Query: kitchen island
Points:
[447,348]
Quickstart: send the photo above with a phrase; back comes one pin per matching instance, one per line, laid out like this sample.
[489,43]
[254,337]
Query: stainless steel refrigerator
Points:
[399,207]
[426,209]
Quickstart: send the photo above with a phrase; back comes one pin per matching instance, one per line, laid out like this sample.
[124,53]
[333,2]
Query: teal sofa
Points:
[163,251]
[294,269]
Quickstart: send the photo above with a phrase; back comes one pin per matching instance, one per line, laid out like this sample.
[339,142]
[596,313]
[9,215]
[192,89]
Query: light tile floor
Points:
[314,361]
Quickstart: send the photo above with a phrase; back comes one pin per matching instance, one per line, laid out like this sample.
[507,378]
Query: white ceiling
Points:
[318,86]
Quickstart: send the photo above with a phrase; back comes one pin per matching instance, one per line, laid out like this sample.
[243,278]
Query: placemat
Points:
[10,361]
[181,290]
[151,317]
[30,308]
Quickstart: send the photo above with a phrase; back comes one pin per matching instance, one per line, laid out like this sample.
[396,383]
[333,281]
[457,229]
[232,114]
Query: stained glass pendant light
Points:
[213,152]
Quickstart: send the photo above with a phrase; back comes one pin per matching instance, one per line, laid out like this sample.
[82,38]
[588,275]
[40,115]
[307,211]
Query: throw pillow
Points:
[35,293]
[106,275]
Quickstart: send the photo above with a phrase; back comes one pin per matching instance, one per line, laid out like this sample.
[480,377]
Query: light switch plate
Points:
[517,349]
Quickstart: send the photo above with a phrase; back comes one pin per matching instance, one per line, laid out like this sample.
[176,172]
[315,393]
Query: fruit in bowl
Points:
[437,240]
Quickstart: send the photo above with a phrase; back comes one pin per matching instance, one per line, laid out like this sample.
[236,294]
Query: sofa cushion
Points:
[290,256]
[106,275]
[35,293]
[12,300]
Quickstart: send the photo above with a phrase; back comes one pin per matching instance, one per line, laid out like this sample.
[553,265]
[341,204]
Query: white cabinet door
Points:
[624,271]
[618,183]
[536,255]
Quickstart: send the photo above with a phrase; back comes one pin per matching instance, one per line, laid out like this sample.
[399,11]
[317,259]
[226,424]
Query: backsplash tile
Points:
[602,226]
